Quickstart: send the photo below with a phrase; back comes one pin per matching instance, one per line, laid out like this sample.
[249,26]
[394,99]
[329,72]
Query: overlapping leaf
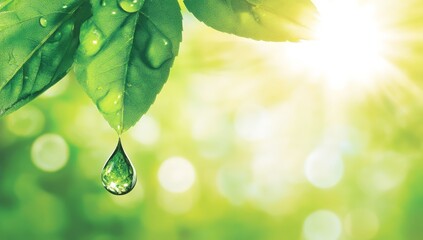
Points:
[126,48]
[37,44]
[125,57]
[269,20]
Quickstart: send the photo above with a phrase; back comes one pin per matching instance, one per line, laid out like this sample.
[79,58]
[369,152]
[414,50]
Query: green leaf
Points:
[125,57]
[269,20]
[5,5]
[37,45]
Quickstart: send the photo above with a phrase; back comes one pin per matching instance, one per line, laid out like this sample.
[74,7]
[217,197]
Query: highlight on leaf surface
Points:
[125,56]
[37,45]
[125,47]
[269,20]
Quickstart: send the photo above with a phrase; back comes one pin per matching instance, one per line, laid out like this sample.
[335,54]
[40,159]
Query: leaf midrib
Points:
[53,30]
[126,67]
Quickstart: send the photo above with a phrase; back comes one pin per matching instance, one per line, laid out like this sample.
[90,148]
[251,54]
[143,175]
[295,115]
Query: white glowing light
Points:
[324,167]
[176,175]
[268,185]
[50,152]
[322,225]
[348,47]
[253,123]
[26,122]
[147,131]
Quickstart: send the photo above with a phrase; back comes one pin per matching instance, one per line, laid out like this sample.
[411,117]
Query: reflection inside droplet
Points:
[118,175]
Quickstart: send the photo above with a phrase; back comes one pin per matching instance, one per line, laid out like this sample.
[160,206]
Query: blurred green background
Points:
[247,140]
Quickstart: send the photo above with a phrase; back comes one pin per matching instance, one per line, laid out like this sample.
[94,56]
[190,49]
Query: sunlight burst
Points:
[348,47]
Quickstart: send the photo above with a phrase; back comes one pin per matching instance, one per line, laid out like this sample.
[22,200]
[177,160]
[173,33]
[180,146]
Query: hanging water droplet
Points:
[103,3]
[92,39]
[131,6]
[118,175]
[43,22]
[159,50]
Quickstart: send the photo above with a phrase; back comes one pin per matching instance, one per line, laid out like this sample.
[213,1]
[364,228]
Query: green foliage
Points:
[124,58]
[123,49]
[38,41]
[247,126]
[269,20]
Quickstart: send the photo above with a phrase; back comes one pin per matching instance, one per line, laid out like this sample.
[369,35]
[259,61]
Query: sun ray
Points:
[350,49]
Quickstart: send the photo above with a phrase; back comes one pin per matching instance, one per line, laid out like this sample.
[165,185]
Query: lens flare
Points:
[349,47]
